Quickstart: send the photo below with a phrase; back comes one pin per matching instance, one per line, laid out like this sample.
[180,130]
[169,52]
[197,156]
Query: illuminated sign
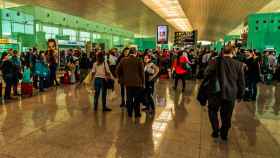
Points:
[6,41]
[185,38]
[162,34]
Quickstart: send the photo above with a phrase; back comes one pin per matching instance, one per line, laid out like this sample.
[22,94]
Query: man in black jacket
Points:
[252,74]
[231,85]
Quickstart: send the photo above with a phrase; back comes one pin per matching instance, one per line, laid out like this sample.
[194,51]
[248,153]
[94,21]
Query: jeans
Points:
[42,83]
[123,93]
[100,85]
[133,100]
[180,77]
[226,109]
[8,89]
[149,91]
[252,86]
[15,85]
[53,75]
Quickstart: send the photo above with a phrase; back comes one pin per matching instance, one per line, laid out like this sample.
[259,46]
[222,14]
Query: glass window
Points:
[96,36]
[37,27]
[6,28]
[17,27]
[116,40]
[29,29]
[51,32]
[84,36]
[71,33]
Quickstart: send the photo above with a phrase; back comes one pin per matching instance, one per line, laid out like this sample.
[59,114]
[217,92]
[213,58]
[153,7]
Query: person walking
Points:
[101,73]
[181,67]
[151,72]
[226,84]
[131,71]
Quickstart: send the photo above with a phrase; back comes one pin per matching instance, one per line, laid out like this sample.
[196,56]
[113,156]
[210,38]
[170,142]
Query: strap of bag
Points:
[106,72]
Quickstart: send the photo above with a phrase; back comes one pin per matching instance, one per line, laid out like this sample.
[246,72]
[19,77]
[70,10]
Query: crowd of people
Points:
[227,75]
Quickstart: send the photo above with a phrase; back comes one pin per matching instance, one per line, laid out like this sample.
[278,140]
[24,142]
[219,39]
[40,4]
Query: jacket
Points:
[232,79]
[151,71]
[180,68]
[131,72]
[230,74]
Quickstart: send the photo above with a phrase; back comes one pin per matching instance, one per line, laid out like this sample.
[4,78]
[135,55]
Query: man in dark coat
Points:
[231,85]
[131,72]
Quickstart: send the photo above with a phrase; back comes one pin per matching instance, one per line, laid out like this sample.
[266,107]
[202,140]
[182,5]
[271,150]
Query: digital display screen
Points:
[162,34]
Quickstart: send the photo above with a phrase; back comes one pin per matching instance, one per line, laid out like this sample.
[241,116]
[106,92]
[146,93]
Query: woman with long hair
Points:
[101,73]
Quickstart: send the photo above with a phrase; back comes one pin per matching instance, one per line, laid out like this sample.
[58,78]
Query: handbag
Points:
[109,81]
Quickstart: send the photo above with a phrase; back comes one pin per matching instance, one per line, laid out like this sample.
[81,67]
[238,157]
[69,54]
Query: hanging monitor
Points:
[162,34]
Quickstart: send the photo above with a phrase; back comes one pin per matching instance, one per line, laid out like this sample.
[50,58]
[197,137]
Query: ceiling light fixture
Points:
[171,11]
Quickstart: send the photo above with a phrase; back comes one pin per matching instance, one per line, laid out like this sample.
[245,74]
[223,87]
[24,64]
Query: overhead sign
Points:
[71,43]
[185,38]
[6,41]
[162,34]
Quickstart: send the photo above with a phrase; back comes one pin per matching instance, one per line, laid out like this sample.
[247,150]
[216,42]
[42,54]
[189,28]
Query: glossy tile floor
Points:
[60,123]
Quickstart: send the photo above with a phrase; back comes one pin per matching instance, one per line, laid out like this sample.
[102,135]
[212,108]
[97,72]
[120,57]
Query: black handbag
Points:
[110,83]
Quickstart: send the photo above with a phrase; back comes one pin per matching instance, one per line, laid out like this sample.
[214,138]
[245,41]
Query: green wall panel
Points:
[145,43]
[264,30]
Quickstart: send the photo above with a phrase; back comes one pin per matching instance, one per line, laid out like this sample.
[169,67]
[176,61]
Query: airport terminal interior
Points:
[140,79]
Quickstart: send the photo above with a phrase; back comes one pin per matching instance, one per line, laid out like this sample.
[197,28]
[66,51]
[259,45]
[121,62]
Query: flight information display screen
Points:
[162,34]
[185,38]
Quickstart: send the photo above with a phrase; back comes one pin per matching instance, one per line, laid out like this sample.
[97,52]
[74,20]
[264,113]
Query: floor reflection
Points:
[61,123]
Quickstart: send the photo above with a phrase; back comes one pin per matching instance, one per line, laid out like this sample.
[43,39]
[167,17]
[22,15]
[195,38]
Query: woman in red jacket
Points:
[182,69]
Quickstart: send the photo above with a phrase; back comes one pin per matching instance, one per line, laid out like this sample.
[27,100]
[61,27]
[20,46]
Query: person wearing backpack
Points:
[181,68]
[101,73]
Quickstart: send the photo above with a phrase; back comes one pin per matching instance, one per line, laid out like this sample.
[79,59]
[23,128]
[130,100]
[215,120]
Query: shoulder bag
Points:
[109,81]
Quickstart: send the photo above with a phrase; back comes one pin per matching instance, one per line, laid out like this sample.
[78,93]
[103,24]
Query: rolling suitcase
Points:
[27,89]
